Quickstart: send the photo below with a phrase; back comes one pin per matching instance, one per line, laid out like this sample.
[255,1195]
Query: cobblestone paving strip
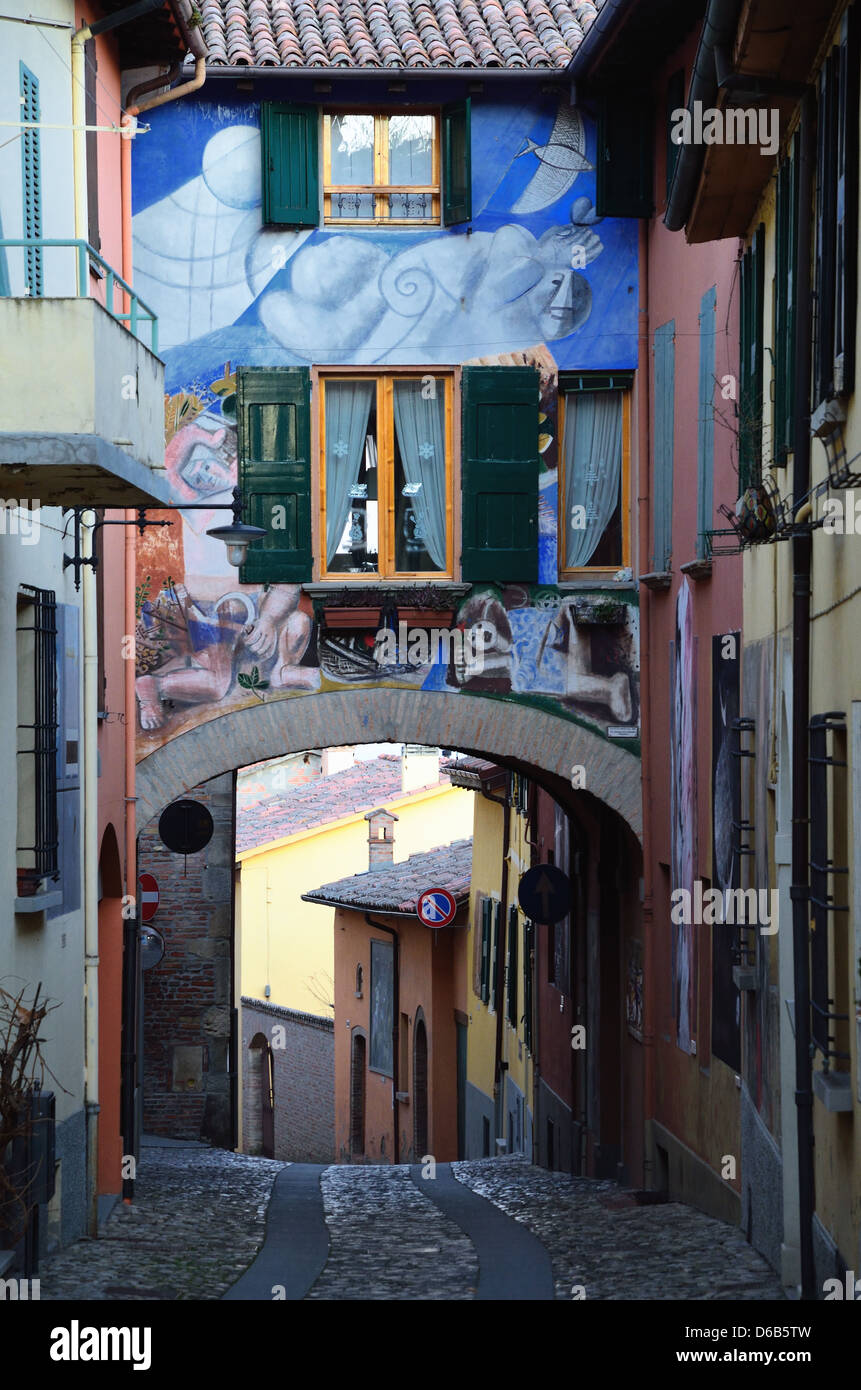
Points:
[197,1221]
[669,1251]
[388,1241]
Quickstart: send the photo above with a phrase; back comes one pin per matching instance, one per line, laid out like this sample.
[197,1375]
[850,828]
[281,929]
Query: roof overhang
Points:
[162,36]
[775,53]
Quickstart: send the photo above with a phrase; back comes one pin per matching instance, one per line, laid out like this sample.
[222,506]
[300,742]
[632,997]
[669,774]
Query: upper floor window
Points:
[378,492]
[381,167]
[376,167]
[385,461]
[594,523]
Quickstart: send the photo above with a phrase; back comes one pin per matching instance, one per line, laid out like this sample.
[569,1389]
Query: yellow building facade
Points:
[287,944]
[499,1117]
[802,690]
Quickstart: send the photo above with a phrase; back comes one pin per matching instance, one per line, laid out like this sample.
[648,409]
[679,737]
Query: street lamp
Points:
[237,536]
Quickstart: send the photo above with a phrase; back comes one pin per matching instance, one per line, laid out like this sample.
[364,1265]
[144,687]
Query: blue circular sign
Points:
[436,907]
[545,893]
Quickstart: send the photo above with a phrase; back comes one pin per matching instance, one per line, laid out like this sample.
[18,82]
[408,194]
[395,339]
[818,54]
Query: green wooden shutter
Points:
[274,414]
[528,943]
[751,354]
[456,163]
[494,972]
[291,182]
[665,398]
[706,421]
[623,176]
[512,966]
[486,911]
[31,176]
[500,474]
[784,307]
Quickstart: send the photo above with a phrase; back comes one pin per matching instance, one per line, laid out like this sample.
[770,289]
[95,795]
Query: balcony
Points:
[82,401]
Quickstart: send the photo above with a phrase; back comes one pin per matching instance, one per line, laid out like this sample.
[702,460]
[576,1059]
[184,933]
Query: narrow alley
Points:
[388,1238]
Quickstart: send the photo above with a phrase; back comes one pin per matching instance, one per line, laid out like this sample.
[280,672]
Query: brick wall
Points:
[187,996]
[304,1082]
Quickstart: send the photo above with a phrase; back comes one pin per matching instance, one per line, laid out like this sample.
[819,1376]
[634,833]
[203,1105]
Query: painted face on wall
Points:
[201,459]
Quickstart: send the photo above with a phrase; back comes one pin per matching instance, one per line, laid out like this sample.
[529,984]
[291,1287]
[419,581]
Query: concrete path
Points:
[296,1245]
[513,1264]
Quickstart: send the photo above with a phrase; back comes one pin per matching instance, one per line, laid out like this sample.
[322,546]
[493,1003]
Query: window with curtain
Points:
[593,524]
[386,467]
[381,166]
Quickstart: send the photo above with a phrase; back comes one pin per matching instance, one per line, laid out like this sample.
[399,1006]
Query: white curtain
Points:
[348,405]
[592,461]
[420,424]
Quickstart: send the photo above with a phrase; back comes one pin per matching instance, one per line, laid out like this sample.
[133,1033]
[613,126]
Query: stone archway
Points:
[499,728]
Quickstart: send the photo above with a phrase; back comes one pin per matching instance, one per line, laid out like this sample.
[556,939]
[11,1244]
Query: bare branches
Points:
[22,1068]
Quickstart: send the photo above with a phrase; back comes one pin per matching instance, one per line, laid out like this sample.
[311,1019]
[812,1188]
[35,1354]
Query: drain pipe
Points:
[801,566]
[645,532]
[396,1020]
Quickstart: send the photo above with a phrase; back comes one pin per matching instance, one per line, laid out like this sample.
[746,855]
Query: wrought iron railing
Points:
[137,314]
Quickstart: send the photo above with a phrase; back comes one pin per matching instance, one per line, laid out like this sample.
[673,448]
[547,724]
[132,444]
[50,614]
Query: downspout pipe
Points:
[184,90]
[396,1021]
[801,567]
[90,795]
[718,35]
[644,523]
[591,50]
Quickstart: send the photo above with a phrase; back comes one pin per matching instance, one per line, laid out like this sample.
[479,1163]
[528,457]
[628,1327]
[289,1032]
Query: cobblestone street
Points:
[199,1219]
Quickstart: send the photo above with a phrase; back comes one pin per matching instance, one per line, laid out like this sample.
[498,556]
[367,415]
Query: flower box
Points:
[351,617]
[426,617]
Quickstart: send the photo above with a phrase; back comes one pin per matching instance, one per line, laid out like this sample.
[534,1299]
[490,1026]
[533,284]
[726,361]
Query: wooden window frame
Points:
[596,571]
[386,571]
[381,188]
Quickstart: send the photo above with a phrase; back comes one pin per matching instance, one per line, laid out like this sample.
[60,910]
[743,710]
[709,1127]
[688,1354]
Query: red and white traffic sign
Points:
[148,890]
[436,907]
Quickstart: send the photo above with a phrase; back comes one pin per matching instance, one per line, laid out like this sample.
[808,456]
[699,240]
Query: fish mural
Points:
[561,158]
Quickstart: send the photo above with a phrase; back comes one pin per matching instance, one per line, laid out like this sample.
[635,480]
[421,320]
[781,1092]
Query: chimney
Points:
[419,767]
[381,838]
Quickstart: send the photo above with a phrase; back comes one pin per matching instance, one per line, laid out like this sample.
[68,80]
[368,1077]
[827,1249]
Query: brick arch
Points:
[492,728]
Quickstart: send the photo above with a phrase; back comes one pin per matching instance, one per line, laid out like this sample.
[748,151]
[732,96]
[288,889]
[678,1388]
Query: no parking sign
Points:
[436,907]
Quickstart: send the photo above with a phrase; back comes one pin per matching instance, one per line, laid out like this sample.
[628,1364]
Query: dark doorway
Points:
[267,1102]
[420,1088]
[357,1097]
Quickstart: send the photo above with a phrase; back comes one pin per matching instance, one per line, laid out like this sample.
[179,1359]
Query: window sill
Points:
[697,569]
[575,585]
[834,1089]
[324,588]
[658,581]
[39,902]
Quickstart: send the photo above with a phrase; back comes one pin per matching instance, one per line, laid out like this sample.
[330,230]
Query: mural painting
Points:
[539,280]
[684,803]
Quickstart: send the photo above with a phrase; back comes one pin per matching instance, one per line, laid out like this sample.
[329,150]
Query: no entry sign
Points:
[148,890]
[436,907]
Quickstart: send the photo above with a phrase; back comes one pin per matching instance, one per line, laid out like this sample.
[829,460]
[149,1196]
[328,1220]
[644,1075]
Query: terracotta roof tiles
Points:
[396,887]
[263,820]
[446,34]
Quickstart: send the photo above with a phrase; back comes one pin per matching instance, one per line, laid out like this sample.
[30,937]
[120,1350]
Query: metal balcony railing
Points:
[138,313]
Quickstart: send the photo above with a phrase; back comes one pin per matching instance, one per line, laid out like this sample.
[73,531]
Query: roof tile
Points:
[445,34]
[396,887]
